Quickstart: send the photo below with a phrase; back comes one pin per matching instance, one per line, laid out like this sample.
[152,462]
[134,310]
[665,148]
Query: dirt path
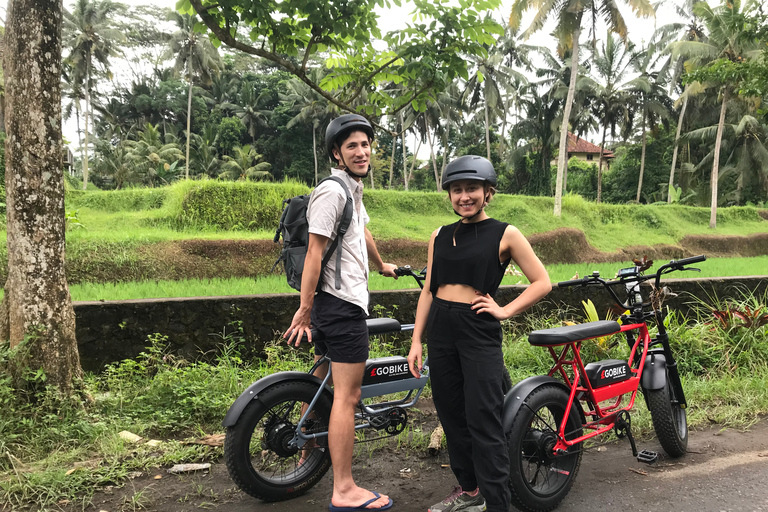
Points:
[725,470]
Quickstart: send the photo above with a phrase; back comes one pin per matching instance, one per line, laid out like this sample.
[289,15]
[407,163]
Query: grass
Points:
[713,267]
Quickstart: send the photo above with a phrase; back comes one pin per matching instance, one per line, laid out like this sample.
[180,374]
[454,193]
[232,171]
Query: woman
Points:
[466,262]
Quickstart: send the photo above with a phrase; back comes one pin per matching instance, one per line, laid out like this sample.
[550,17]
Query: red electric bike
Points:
[549,417]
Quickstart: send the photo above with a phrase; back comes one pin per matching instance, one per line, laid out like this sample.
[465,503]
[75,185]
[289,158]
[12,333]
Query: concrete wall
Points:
[109,331]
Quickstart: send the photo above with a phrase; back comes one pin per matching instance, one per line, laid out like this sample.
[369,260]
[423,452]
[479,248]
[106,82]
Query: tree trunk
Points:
[37,306]
[392,161]
[600,168]
[79,135]
[642,164]
[487,134]
[2,113]
[189,121]
[562,159]
[677,141]
[413,162]
[445,150]
[87,109]
[314,151]
[431,141]
[716,161]
[405,164]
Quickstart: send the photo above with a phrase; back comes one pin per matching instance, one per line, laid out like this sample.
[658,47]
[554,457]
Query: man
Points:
[340,313]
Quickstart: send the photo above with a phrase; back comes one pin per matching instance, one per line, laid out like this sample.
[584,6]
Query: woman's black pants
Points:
[466,369]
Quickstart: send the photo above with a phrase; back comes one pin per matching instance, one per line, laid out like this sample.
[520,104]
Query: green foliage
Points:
[620,182]
[230,133]
[306,28]
[582,178]
[236,205]
[132,199]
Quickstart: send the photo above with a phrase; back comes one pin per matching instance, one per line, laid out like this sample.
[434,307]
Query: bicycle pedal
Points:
[378,422]
[647,456]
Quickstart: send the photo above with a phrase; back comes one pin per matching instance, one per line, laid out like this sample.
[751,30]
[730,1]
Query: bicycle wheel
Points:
[256,448]
[670,422]
[538,478]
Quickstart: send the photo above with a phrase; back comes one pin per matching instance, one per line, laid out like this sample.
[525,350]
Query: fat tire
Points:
[257,469]
[670,423]
[545,403]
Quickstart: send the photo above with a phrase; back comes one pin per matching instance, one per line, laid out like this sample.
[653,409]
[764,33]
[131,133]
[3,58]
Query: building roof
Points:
[579,145]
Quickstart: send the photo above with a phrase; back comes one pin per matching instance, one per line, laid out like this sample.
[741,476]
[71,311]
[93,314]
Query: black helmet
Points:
[469,167]
[342,125]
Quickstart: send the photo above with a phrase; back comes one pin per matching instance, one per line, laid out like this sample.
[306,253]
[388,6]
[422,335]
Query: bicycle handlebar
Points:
[686,261]
[572,282]
[672,266]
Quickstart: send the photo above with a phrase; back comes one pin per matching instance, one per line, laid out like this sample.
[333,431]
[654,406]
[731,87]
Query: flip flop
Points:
[364,506]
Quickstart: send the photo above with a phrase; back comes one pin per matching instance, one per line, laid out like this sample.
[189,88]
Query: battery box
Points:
[386,369]
[607,372]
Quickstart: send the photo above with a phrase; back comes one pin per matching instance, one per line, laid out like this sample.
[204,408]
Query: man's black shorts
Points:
[345,334]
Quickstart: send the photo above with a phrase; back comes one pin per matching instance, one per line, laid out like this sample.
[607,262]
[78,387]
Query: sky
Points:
[640,30]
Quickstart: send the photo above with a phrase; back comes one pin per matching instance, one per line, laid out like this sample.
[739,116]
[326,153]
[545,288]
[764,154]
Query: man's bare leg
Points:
[310,445]
[347,378]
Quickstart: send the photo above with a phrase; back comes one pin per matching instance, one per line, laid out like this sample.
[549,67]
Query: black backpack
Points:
[294,229]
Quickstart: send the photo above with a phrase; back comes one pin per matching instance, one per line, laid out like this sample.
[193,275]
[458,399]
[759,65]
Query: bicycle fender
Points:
[516,396]
[654,371]
[252,393]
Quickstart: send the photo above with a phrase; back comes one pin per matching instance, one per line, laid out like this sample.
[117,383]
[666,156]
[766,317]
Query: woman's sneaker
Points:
[460,501]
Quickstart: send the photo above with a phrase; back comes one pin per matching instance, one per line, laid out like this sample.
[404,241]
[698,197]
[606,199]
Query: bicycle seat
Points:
[569,333]
[382,325]
[375,326]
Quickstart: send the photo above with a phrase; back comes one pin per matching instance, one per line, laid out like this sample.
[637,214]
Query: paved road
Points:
[725,470]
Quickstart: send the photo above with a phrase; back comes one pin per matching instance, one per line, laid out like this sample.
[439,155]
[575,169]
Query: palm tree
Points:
[649,90]
[196,56]
[746,147]
[312,108]
[452,110]
[151,156]
[609,65]
[245,165]
[729,40]
[535,133]
[569,14]
[203,152]
[555,77]
[90,36]
[689,30]
[488,81]
[249,109]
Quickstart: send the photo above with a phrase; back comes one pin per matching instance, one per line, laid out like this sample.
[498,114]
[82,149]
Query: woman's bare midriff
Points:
[456,293]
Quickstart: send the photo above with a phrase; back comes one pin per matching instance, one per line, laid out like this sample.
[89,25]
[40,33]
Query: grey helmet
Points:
[469,167]
[342,125]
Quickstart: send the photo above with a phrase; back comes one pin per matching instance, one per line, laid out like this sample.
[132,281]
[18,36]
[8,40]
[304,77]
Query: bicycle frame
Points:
[413,388]
[581,387]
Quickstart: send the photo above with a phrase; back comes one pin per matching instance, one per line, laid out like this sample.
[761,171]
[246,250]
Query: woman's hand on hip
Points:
[486,304]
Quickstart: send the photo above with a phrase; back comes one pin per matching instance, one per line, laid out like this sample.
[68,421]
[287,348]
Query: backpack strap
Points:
[346,220]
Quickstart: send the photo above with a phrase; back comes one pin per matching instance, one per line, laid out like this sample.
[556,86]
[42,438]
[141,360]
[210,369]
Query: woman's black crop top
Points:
[474,260]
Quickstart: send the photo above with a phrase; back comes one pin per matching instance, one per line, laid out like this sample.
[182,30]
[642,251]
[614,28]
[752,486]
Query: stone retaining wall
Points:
[109,331]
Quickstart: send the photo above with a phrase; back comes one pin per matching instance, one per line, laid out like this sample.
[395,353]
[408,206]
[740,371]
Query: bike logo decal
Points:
[395,369]
[618,371]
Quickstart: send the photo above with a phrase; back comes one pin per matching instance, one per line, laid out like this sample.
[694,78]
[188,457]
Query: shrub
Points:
[235,205]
